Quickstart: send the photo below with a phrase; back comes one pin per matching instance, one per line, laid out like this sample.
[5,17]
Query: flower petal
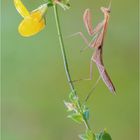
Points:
[21,8]
[41,9]
[32,24]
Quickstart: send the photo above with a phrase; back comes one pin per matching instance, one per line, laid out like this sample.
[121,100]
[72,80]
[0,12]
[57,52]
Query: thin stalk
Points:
[71,85]
[63,49]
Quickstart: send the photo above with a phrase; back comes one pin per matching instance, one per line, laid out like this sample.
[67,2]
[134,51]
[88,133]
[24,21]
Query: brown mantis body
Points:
[98,34]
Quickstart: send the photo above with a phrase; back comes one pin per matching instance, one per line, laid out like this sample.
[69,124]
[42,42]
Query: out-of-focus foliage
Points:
[34,83]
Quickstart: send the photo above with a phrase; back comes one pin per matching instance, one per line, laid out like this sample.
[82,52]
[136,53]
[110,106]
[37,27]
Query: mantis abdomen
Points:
[97,58]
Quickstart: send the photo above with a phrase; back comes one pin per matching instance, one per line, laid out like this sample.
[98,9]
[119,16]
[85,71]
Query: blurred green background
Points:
[34,81]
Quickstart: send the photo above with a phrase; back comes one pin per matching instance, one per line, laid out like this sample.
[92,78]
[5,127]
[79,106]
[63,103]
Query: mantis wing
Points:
[97,58]
[21,8]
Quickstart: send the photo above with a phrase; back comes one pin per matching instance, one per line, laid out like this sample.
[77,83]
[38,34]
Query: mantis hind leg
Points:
[90,75]
[97,81]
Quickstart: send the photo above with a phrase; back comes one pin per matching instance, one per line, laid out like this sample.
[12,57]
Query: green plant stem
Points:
[65,61]
[63,49]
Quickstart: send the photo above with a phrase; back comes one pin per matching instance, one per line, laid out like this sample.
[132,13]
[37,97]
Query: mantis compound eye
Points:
[108,10]
[105,10]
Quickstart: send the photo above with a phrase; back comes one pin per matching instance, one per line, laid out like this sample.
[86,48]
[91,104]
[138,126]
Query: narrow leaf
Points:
[72,97]
[88,136]
[83,137]
[76,117]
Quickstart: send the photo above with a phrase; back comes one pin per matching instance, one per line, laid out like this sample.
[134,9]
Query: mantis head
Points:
[106,10]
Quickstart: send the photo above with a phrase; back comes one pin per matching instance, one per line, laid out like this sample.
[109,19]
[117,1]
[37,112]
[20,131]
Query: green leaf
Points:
[103,136]
[76,117]
[88,136]
[72,97]
[50,3]
[97,137]
[106,136]
[83,137]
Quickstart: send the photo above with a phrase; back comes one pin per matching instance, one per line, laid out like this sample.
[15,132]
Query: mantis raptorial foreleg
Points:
[88,23]
[93,32]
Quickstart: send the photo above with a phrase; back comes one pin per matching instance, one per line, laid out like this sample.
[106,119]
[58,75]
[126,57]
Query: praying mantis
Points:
[97,42]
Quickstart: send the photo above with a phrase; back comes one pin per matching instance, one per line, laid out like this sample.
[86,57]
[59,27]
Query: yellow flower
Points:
[33,22]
